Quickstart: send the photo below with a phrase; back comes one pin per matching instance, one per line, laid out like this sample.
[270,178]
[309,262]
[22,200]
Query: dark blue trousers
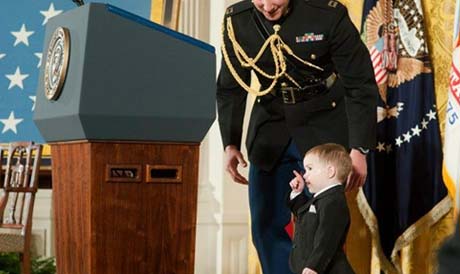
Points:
[269,212]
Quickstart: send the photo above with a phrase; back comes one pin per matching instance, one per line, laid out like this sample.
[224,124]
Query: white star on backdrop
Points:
[16,79]
[39,56]
[2,55]
[33,100]
[416,131]
[22,36]
[381,147]
[51,12]
[11,123]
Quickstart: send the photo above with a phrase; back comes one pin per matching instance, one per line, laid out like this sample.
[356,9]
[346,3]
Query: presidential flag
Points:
[22,25]
[451,167]
[404,194]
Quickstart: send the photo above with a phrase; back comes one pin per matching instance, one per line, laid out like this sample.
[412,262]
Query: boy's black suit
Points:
[319,236]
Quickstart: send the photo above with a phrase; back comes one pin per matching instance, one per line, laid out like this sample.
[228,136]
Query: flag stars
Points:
[399,141]
[2,55]
[10,123]
[39,56]
[380,147]
[51,12]
[416,131]
[16,79]
[431,115]
[424,124]
[407,137]
[389,148]
[22,36]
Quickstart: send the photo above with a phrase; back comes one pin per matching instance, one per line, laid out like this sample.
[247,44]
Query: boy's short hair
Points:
[335,155]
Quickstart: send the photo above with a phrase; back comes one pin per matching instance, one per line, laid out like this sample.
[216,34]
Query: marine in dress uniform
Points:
[318,86]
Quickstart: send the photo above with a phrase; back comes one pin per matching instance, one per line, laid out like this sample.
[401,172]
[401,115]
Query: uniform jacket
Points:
[345,115]
[320,233]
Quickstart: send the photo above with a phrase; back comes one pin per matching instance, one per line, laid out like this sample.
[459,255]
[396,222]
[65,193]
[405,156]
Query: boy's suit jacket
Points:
[321,228]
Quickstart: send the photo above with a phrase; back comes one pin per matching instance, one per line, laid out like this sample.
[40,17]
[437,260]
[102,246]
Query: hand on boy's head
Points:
[297,183]
[307,270]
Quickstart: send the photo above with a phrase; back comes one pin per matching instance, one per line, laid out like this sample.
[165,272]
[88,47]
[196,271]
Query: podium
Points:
[124,104]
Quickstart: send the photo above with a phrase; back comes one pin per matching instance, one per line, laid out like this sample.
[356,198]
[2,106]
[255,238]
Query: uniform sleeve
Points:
[334,220]
[231,98]
[352,61]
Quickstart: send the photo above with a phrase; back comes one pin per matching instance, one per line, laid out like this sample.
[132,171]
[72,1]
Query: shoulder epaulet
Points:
[326,4]
[239,7]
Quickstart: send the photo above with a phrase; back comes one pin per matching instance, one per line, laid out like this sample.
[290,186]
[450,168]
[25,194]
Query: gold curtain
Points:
[166,13]
[156,11]
[420,256]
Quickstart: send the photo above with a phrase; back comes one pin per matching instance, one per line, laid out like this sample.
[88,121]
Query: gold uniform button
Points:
[313,56]
[333,104]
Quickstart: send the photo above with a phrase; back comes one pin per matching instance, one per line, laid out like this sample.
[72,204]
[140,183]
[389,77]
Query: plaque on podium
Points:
[124,103]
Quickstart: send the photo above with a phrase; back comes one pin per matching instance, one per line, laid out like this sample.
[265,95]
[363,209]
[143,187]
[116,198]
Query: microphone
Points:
[78,2]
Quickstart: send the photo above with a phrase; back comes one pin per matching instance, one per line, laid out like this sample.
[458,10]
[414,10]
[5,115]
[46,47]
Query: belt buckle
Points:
[288,95]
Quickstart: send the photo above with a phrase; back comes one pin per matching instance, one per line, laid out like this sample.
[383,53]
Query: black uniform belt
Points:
[292,95]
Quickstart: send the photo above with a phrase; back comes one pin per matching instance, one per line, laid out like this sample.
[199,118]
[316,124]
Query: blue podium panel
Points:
[127,79]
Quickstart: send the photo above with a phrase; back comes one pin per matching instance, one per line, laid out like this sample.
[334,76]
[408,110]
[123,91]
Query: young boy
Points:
[322,221]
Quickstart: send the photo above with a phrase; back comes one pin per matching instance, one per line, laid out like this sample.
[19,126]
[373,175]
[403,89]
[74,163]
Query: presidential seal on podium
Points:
[57,61]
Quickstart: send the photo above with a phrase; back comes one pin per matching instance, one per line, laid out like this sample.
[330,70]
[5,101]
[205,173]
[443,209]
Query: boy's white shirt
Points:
[295,193]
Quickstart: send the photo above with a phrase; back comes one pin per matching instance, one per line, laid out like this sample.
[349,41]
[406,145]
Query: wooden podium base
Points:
[125,208]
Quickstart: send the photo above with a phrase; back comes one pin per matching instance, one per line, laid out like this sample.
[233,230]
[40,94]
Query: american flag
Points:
[22,26]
